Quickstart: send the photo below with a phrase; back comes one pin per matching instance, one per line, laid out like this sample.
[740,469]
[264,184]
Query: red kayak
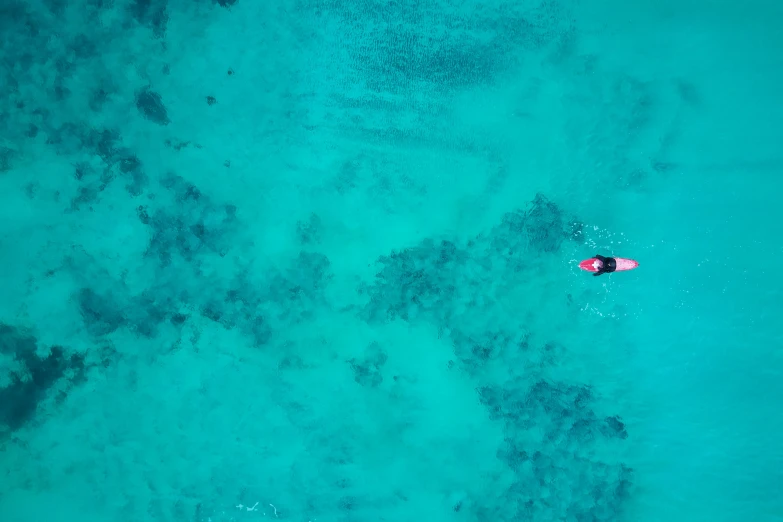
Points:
[593,264]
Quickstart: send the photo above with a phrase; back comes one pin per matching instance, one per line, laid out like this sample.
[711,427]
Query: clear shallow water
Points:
[345,288]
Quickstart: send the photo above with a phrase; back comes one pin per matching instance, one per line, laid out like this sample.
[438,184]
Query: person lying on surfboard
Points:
[603,265]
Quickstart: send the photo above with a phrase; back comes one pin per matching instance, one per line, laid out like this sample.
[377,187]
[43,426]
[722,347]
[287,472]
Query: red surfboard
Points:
[593,264]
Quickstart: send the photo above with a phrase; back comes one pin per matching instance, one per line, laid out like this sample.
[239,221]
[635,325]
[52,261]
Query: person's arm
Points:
[601,270]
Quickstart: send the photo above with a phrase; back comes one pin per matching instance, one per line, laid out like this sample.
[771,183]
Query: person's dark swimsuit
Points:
[609,265]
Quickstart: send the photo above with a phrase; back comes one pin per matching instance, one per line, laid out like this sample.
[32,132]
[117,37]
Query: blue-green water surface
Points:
[316,260]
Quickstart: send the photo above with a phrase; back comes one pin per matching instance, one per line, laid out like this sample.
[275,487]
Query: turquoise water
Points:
[317,261]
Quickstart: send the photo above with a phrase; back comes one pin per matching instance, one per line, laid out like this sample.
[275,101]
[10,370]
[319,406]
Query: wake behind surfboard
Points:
[593,264]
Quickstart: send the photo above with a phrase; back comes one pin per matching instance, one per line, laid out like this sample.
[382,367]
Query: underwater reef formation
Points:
[150,105]
[30,376]
[428,280]
[184,235]
[426,47]
[550,427]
